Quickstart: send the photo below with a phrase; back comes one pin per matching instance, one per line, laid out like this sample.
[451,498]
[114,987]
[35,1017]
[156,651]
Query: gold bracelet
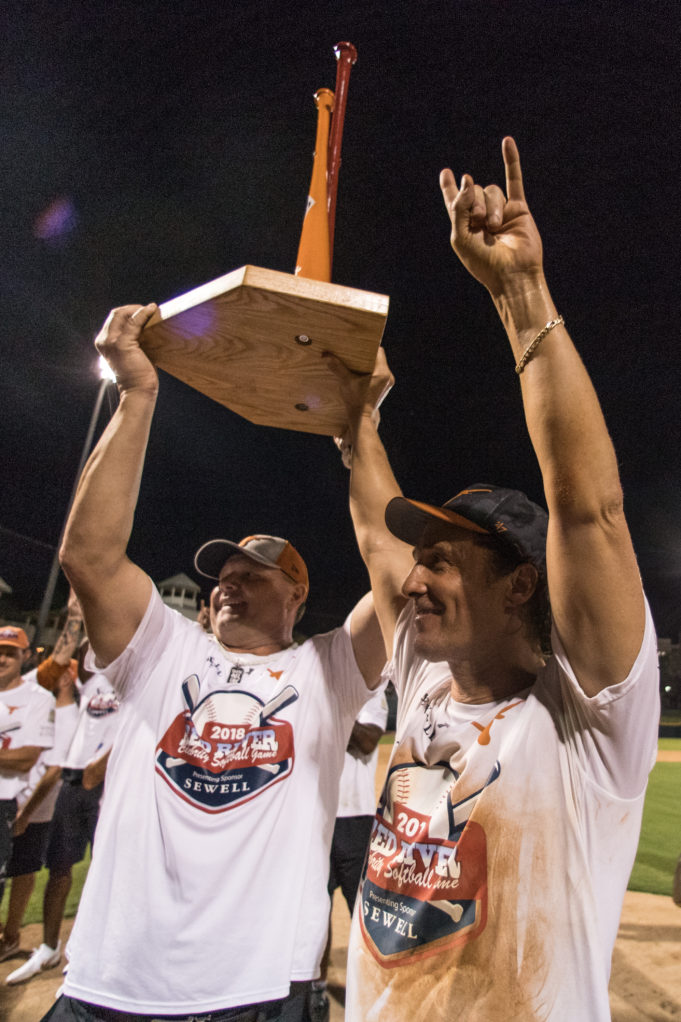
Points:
[529,351]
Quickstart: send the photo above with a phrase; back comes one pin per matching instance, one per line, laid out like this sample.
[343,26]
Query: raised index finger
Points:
[514,175]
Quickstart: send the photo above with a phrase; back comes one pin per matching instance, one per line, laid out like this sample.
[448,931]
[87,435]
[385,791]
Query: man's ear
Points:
[298,598]
[298,594]
[523,582]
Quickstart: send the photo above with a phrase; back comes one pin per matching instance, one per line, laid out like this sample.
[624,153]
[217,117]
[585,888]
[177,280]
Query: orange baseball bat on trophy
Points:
[253,339]
[315,252]
[346,55]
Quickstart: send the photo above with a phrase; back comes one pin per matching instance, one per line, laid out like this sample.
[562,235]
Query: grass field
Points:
[660,842]
[658,849]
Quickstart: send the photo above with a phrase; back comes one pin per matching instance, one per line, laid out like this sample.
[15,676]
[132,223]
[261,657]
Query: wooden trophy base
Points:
[253,341]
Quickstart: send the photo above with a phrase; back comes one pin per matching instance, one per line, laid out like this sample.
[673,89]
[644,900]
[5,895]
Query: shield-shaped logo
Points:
[424,887]
[227,748]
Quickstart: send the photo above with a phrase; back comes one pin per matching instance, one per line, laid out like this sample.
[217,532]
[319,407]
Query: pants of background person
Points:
[73,827]
[8,812]
[348,848]
[27,859]
[290,1009]
[350,839]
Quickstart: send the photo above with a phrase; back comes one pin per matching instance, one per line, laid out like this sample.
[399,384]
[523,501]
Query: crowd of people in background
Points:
[67,727]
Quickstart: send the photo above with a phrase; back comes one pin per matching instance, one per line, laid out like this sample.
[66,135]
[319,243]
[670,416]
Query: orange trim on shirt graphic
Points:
[484,736]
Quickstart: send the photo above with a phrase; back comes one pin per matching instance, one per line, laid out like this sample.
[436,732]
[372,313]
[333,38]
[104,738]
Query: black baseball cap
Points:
[516,522]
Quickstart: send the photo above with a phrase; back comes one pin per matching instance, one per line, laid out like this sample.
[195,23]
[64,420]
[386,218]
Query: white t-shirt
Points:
[356,796]
[98,720]
[65,722]
[26,719]
[84,731]
[502,846]
[208,884]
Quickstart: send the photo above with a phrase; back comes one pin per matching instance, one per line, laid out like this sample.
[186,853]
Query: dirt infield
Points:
[669,755]
[645,983]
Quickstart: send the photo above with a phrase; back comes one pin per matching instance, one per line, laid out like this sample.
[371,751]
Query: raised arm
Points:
[51,669]
[65,645]
[372,485]
[594,584]
[113,592]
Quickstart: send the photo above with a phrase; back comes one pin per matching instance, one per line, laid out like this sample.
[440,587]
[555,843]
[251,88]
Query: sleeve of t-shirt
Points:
[65,724]
[375,710]
[614,733]
[108,735]
[131,669]
[343,674]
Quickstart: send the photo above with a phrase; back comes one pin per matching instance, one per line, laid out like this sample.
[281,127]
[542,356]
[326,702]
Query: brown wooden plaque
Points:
[253,341]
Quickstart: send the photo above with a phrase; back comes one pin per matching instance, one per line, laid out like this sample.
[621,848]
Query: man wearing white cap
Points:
[509,820]
[206,898]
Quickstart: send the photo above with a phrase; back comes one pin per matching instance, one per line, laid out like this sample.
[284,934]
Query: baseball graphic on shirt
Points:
[227,748]
[425,880]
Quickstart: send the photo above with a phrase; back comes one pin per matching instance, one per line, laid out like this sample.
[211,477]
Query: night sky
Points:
[148,148]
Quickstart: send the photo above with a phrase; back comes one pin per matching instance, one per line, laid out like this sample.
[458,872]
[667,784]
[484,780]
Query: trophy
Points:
[253,339]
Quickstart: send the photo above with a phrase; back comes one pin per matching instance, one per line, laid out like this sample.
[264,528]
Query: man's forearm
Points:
[95,772]
[563,414]
[364,739]
[19,760]
[68,639]
[101,520]
[372,485]
[41,791]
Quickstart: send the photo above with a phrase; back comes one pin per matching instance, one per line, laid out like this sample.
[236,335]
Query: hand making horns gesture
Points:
[494,234]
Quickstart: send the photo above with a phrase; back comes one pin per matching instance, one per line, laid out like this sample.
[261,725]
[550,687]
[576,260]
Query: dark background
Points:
[176,140]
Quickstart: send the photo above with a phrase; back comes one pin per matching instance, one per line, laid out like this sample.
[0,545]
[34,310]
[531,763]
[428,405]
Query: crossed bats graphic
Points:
[190,690]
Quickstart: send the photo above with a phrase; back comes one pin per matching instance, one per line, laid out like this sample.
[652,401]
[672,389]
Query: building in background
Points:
[181,593]
[178,592]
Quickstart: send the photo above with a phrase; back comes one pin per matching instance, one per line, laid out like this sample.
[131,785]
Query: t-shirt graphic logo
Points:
[6,725]
[102,704]
[227,748]
[424,887]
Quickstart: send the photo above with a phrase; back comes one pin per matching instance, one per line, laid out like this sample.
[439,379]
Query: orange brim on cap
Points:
[407,519]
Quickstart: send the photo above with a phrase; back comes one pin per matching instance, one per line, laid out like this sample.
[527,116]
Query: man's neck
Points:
[494,679]
[257,649]
[14,683]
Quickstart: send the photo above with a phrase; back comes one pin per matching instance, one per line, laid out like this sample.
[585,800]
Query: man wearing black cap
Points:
[509,821]
[206,898]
